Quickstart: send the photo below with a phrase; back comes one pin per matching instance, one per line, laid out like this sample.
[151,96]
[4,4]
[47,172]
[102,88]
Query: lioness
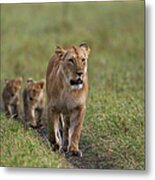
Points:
[67,88]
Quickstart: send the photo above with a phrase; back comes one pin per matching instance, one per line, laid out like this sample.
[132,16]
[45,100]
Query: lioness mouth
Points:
[76,82]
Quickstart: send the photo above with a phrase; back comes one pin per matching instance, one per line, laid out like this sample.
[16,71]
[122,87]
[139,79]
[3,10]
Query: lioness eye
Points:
[71,61]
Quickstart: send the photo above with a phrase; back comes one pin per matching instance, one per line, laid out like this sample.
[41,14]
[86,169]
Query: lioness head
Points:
[74,64]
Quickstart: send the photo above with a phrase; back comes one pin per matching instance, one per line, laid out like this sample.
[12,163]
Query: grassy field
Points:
[20,147]
[113,132]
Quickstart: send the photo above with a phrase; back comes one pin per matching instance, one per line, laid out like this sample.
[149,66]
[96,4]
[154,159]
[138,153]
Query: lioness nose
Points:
[79,73]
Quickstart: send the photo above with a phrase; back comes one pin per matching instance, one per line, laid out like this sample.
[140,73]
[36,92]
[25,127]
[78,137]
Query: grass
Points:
[113,132]
[20,147]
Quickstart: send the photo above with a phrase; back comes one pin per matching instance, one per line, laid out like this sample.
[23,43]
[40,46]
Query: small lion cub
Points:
[34,103]
[10,96]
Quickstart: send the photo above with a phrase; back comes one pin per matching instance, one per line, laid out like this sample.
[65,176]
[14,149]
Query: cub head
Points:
[35,88]
[74,64]
[13,85]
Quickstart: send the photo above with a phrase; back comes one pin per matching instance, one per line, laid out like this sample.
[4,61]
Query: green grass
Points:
[20,147]
[113,132]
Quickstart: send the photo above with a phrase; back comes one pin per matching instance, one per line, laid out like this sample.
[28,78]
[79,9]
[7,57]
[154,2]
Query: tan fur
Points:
[11,98]
[34,102]
[67,88]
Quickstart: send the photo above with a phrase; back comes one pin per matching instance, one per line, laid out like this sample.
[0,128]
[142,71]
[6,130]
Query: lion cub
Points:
[11,98]
[34,103]
[67,88]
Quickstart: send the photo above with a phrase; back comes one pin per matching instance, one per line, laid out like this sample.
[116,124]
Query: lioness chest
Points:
[67,101]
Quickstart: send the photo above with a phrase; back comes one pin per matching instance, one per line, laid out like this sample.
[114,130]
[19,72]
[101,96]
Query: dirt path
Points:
[91,159]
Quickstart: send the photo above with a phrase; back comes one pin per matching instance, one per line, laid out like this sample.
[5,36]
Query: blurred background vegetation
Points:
[113,132]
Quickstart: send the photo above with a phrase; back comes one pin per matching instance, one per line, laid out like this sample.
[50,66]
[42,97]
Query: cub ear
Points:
[60,52]
[19,81]
[6,81]
[30,80]
[85,47]
[42,83]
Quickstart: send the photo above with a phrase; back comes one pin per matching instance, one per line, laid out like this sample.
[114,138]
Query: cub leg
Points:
[8,110]
[54,133]
[16,110]
[30,117]
[76,122]
[26,112]
[40,112]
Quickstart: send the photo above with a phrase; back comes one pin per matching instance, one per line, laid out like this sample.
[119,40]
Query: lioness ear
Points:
[60,52]
[42,83]
[85,47]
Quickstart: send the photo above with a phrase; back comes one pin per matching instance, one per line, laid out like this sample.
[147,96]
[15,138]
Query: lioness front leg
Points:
[65,142]
[54,133]
[76,122]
